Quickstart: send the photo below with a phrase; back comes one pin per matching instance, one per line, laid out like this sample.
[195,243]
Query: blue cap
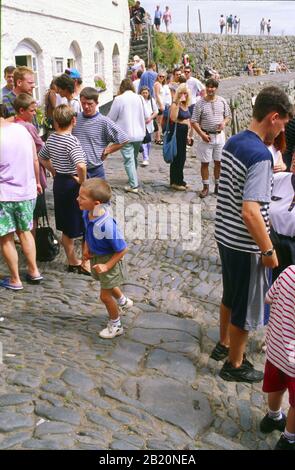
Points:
[73,73]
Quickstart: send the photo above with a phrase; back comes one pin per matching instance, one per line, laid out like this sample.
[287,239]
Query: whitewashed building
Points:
[51,35]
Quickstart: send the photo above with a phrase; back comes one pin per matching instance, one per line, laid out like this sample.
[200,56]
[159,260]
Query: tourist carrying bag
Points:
[47,244]
[169,142]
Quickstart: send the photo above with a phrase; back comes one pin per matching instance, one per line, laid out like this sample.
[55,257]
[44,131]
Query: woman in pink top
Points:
[167,18]
[19,184]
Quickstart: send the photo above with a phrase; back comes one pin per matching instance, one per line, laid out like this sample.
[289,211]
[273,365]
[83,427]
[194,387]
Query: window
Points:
[99,60]
[58,66]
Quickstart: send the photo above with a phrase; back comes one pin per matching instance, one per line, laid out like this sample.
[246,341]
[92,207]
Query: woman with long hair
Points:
[159,95]
[152,110]
[180,114]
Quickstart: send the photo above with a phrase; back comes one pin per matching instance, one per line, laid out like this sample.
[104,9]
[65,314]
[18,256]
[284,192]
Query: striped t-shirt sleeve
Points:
[114,133]
[44,152]
[76,153]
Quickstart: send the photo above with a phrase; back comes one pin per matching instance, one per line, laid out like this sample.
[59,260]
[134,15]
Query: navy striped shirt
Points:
[95,133]
[246,175]
[64,151]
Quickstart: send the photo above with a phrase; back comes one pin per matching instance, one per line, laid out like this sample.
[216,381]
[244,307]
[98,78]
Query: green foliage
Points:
[260,51]
[167,49]
[131,3]
[99,83]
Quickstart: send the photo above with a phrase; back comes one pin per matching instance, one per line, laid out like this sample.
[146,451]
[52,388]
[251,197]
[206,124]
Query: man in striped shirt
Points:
[241,231]
[279,374]
[98,135]
[210,116]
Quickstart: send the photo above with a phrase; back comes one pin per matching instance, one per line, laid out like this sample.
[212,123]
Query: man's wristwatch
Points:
[268,253]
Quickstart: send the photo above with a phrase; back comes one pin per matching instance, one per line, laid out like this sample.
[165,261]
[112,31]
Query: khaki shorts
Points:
[211,150]
[112,278]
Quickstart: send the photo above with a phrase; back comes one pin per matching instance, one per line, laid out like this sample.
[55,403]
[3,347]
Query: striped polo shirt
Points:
[280,337]
[64,151]
[95,133]
[246,175]
[209,114]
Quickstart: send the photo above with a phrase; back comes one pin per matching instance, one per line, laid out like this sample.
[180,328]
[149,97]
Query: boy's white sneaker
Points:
[145,163]
[111,331]
[127,304]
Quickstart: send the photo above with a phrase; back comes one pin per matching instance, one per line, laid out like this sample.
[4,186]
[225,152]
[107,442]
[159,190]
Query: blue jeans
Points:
[129,153]
[96,172]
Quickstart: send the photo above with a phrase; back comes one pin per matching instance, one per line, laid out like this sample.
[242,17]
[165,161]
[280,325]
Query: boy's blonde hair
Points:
[183,88]
[63,115]
[98,189]
[23,100]
[20,72]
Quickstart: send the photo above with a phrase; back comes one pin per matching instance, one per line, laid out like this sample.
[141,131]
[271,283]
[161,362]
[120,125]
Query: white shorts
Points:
[208,151]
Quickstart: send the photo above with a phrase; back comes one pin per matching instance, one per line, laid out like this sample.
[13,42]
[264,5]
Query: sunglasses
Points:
[187,71]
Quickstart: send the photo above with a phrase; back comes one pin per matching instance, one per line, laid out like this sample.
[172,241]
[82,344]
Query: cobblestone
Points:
[152,388]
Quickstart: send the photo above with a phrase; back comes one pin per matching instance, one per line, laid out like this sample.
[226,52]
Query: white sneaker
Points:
[127,304]
[128,189]
[111,331]
[145,163]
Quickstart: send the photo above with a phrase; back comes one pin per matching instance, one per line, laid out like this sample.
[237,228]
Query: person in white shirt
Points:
[152,111]
[66,89]
[129,112]
[197,90]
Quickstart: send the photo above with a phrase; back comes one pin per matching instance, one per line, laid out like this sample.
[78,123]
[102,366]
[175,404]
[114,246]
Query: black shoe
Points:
[244,373]
[268,424]
[216,189]
[284,444]
[220,352]
[247,363]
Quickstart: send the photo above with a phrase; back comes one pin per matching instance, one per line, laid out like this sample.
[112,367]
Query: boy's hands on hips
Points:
[100,268]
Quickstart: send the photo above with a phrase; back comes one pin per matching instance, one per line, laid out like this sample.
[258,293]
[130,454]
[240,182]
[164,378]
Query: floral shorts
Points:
[16,216]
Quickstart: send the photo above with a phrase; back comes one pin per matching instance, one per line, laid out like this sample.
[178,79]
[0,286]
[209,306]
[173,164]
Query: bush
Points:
[167,49]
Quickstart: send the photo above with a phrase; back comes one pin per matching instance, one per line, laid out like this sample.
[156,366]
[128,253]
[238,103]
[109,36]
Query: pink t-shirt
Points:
[280,338]
[17,176]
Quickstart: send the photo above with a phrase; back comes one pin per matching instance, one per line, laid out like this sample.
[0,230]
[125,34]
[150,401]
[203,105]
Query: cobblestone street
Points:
[62,387]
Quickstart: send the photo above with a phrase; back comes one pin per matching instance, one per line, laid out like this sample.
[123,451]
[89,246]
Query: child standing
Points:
[152,112]
[279,374]
[105,247]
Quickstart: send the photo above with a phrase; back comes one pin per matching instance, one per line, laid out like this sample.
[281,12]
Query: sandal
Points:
[34,279]
[77,268]
[159,142]
[6,283]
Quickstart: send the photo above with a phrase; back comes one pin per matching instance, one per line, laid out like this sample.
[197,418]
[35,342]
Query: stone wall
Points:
[229,53]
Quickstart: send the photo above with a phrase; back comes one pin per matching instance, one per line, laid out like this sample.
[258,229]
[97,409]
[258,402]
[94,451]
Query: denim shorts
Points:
[16,215]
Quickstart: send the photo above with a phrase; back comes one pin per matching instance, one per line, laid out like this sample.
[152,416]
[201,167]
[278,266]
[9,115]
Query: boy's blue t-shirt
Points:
[103,236]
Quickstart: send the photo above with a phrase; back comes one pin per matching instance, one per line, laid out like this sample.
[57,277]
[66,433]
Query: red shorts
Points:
[276,380]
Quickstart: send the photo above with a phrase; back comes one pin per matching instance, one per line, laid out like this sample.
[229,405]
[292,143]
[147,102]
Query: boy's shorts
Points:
[245,283]
[275,380]
[112,278]
[16,216]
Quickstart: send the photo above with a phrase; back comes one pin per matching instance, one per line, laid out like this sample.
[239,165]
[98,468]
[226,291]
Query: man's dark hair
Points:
[212,82]
[9,69]
[188,67]
[89,93]
[271,99]
[65,83]
[139,73]
[177,69]
[3,111]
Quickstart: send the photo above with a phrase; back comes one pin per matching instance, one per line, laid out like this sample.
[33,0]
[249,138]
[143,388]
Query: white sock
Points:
[275,415]
[289,436]
[116,323]
[122,300]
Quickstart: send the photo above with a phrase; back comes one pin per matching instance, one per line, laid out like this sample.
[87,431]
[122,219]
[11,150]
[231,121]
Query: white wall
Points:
[52,26]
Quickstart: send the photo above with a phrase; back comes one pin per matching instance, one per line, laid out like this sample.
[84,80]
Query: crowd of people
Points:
[79,138]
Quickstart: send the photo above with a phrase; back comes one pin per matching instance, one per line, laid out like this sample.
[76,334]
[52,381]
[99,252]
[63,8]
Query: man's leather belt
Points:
[211,132]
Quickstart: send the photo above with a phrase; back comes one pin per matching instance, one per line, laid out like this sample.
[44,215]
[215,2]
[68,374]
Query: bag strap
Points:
[168,123]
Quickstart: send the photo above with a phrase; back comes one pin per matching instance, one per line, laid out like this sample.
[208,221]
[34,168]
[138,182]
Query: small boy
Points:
[279,374]
[105,247]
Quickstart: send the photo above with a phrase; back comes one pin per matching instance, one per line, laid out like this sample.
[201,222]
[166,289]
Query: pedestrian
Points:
[159,96]
[129,113]
[157,18]
[149,77]
[66,89]
[137,81]
[19,186]
[167,19]
[138,14]
[268,26]
[78,82]
[64,157]
[279,373]
[175,82]
[180,116]
[25,107]
[152,111]
[242,232]
[210,117]
[137,66]
[197,90]
[8,76]
[290,143]
[229,21]
[262,26]
[105,247]
[221,23]
[236,22]
[23,82]
[98,135]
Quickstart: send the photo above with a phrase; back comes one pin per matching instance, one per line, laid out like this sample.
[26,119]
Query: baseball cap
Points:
[73,73]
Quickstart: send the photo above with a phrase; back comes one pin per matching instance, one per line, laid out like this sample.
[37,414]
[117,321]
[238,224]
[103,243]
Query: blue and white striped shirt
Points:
[64,151]
[246,175]
[95,133]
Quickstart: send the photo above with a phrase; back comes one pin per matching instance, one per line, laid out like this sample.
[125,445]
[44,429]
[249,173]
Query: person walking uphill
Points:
[210,116]
[105,247]
[242,232]
[128,112]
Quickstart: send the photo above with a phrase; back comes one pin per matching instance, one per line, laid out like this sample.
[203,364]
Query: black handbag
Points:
[47,244]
